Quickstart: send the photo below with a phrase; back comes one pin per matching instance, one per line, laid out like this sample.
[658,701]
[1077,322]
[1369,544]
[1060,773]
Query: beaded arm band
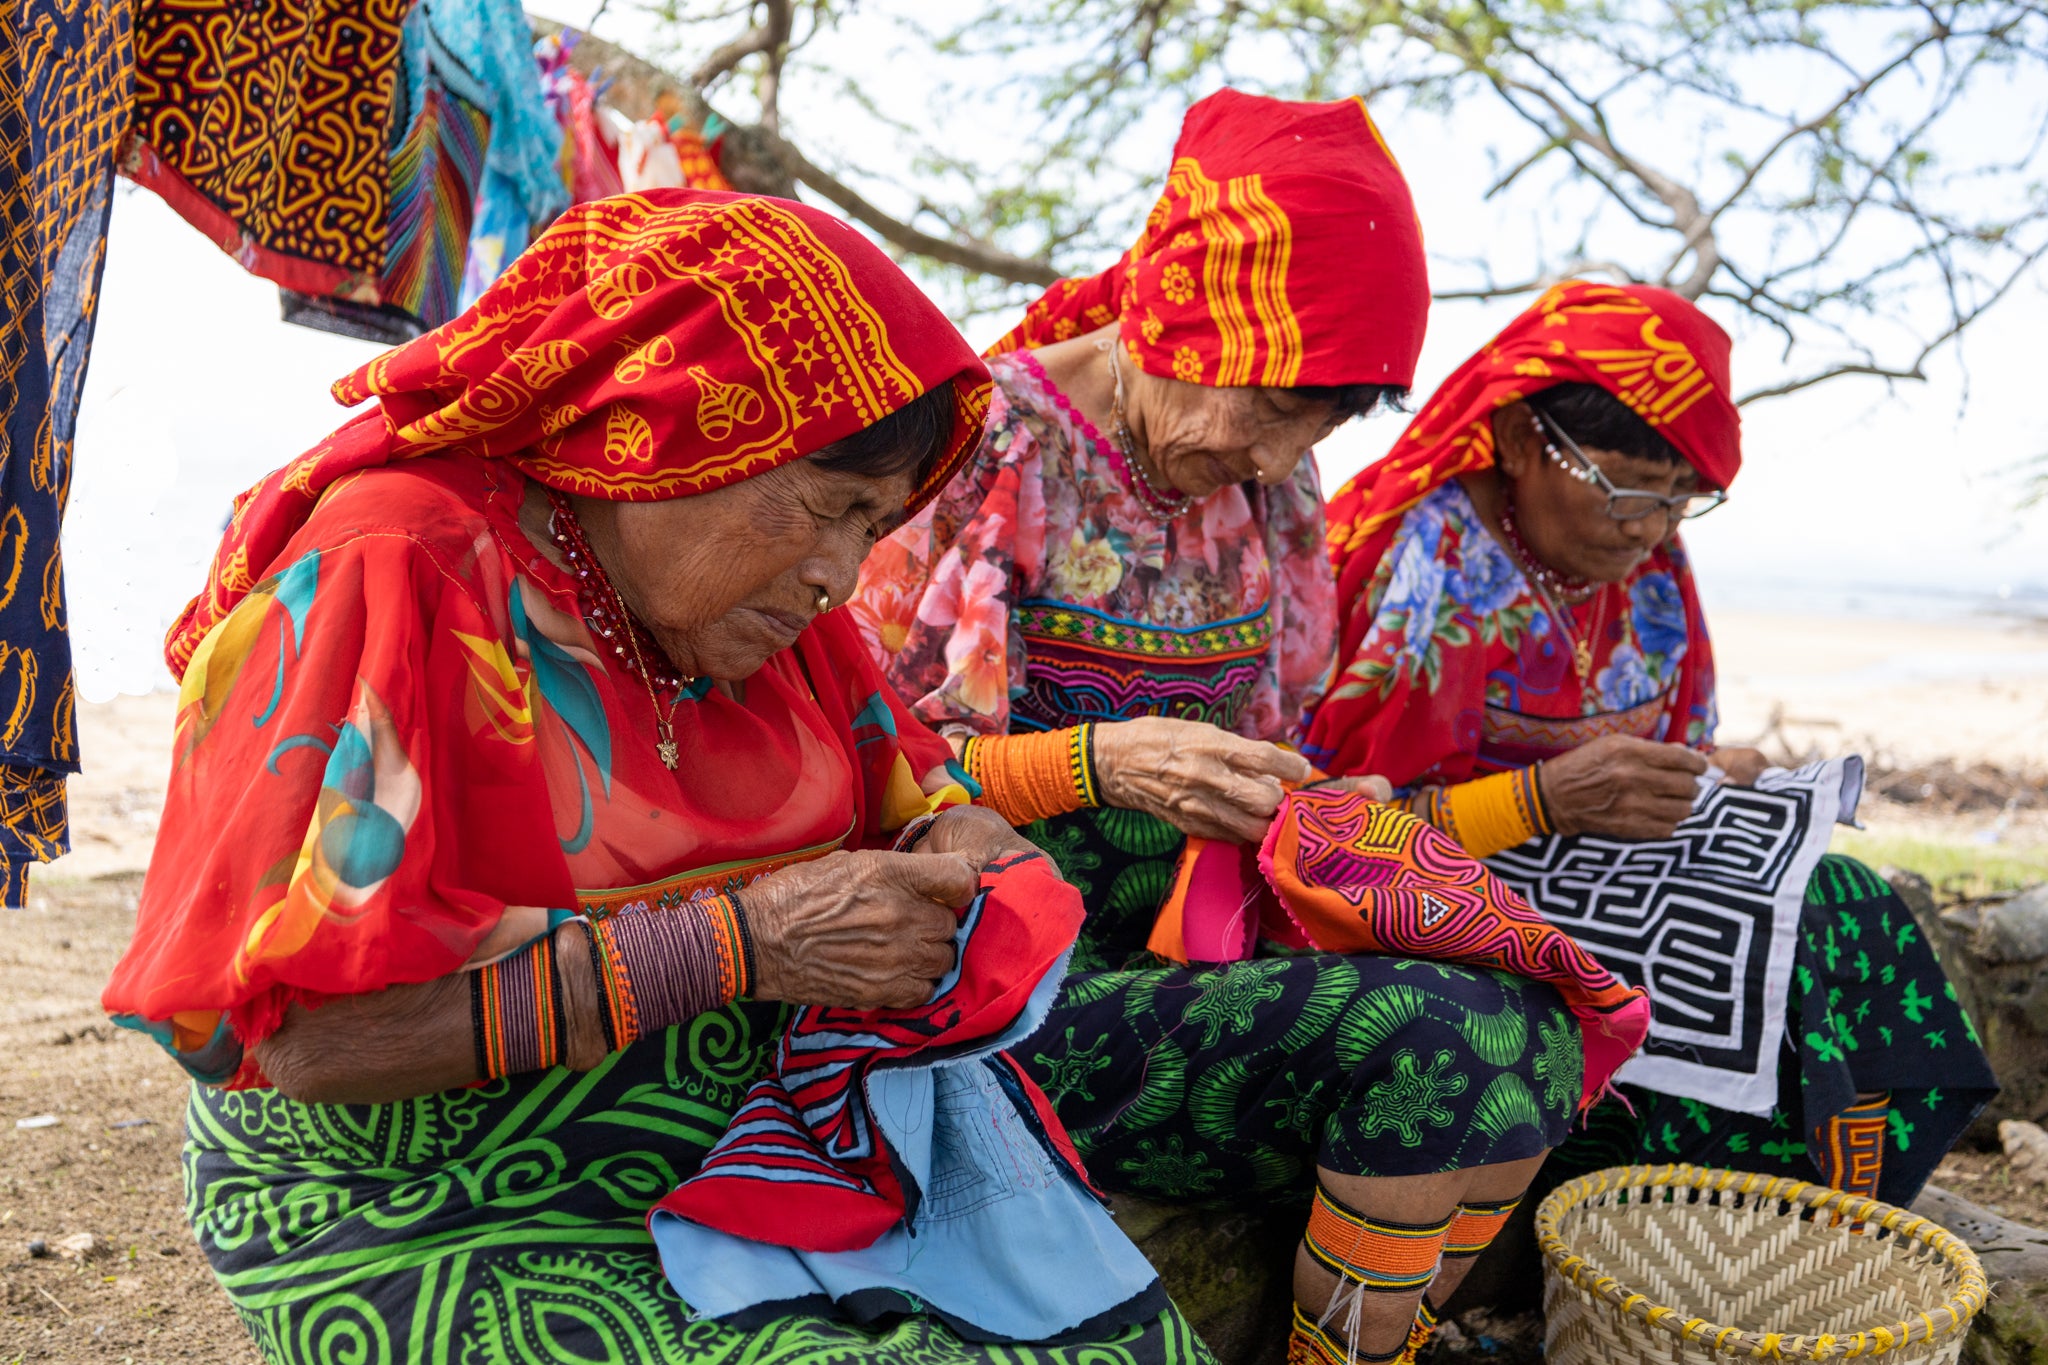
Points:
[1029,777]
[659,967]
[1488,814]
[654,968]
[516,1009]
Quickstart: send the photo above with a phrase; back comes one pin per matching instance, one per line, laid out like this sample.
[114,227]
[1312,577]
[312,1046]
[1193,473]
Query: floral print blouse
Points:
[1039,592]
[1467,671]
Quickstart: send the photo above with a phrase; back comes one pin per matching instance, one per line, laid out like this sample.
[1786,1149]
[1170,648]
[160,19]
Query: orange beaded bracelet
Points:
[1029,777]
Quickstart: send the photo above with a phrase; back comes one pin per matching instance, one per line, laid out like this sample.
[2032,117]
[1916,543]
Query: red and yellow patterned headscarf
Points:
[1284,251]
[1648,347]
[647,346]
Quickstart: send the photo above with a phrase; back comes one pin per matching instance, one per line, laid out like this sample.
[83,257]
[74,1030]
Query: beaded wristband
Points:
[1029,777]
[660,967]
[1488,814]
[517,1012]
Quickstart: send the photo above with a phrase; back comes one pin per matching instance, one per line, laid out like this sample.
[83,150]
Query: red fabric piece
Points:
[802,1163]
[1284,251]
[1361,877]
[647,346]
[1652,349]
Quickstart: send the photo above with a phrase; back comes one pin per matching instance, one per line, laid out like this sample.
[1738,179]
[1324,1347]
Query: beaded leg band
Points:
[1029,777]
[1476,1224]
[1378,1256]
[1312,1344]
[1424,1328]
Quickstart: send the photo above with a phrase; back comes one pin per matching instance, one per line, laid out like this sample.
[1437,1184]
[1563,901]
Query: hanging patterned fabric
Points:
[338,146]
[66,72]
[268,129]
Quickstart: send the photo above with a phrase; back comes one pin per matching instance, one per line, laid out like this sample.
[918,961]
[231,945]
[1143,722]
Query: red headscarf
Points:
[647,346]
[1656,352]
[1284,251]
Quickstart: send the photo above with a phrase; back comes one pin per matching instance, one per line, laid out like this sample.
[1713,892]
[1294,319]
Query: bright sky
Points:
[196,389]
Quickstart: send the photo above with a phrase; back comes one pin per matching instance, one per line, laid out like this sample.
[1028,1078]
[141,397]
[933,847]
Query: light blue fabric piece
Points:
[492,42]
[1004,1243]
[497,236]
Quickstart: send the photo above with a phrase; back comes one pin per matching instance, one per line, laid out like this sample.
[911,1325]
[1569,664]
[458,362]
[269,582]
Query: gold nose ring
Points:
[824,601]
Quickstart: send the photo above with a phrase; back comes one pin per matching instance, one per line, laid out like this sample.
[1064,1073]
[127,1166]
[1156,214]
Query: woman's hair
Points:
[1594,417]
[911,440]
[1354,400]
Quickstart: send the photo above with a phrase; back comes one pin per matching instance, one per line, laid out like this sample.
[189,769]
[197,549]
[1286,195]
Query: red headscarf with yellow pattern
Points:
[1284,251]
[647,346]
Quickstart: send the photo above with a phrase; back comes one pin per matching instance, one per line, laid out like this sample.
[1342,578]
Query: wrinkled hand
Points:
[976,833]
[861,930]
[1743,766]
[1623,787]
[1201,780]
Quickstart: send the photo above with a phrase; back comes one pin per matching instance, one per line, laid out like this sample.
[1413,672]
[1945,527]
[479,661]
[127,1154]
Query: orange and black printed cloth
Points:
[268,129]
[66,67]
[1443,653]
[400,748]
[1250,275]
[1357,876]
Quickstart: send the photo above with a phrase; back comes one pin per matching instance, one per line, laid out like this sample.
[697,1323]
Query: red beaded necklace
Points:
[615,624]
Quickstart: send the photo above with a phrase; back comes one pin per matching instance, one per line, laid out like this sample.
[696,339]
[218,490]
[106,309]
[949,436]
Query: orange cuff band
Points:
[1029,777]
[1476,1225]
[1488,814]
[517,1012]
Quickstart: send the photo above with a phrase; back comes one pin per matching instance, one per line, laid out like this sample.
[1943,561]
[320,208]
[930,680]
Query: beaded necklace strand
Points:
[606,611]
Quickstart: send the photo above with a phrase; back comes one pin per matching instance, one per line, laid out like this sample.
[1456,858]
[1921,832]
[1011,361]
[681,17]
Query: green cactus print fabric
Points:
[506,1224]
[1236,1082]
[1870,1012]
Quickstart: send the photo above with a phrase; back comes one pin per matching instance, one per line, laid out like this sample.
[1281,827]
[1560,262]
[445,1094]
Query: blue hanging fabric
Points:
[67,71]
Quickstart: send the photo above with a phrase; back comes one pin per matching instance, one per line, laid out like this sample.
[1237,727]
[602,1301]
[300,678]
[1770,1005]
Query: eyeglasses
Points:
[1623,504]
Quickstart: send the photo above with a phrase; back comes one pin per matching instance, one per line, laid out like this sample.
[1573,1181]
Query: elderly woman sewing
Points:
[1114,610]
[1523,652]
[522,766]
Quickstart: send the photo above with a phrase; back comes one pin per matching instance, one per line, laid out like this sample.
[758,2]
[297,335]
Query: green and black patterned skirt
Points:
[1870,1013]
[1236,1082]
[507,1223]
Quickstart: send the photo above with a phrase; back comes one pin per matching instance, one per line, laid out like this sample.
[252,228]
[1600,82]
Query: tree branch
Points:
[760,160]
[764,37]
[968,253]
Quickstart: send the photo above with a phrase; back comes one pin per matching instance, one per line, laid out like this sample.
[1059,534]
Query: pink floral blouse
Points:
[1038,592]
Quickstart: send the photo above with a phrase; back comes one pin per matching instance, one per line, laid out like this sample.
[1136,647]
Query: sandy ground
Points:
[108,1167]
[1902,693]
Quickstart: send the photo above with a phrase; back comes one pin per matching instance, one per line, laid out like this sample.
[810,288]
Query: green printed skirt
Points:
[507,1223]
[1870,1013]
[1237,1082]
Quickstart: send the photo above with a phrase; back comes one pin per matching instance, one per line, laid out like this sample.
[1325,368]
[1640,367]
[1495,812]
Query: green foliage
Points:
[1956,870]
[1862,177]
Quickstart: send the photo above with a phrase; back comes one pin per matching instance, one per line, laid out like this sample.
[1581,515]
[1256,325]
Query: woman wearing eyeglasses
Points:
[1522,652]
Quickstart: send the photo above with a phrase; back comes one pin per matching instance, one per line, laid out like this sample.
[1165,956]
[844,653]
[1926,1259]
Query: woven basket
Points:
[1661,1264]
